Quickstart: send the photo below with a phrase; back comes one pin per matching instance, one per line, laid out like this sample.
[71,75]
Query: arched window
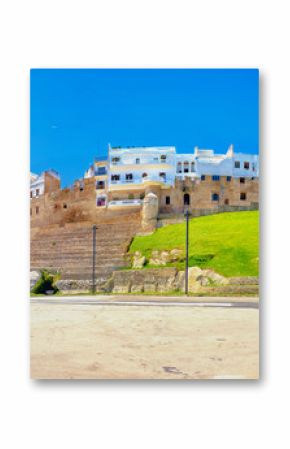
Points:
[186,199]
[192,166]
[179,167]
[144,175]
[185,167]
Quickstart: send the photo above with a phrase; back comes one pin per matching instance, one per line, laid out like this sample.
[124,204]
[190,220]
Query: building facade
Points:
[201,181]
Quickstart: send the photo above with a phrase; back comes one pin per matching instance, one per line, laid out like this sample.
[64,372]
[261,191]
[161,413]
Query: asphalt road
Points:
[159,301]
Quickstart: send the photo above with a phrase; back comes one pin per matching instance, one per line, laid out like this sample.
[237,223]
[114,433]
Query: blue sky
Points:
[75,113]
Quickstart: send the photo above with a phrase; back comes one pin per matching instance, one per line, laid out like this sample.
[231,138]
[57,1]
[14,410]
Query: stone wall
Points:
[75,205]
[200,194]
[166,280]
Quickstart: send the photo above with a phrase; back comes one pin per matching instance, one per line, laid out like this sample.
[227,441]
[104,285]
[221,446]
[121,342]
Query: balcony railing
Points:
[133,202]
[143,162]
[140,180]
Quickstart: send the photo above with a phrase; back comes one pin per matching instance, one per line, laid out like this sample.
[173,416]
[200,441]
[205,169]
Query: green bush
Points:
[44,283]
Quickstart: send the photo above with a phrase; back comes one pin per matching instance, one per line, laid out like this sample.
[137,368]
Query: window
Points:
[237,164]
[64,205]
[162,175]
[37,192]
[101,201]
[144,175]
[138,161]
[31,194]
[215,178]
[115,160]
[247,165]
[100,185]
[202,177]
[101,171]
[37,209]
[186,167]
[179,167]
[129,177]
[186,199]
[167,200]
[215,197]
[226,201]
[192,166]
[229,178]
[81,186]
[163,158]
[115,178]
[242,180]
[243,196]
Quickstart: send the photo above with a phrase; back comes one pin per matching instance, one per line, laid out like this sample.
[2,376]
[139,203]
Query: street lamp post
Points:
[186,250]
[94,259]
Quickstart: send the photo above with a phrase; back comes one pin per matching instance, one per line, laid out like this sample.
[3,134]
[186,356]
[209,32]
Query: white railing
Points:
[140,180]
[133,202]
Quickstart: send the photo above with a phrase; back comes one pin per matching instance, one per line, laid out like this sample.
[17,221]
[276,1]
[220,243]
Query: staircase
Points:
[69,250]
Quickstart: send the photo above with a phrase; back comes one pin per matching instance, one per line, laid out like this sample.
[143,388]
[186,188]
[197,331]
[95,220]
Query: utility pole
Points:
[94,260]
[186,249]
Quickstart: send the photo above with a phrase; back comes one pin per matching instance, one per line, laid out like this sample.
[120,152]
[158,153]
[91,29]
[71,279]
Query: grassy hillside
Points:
[227,242]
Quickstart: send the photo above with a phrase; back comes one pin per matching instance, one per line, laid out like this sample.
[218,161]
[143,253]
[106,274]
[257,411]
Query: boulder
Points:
[194,275]
[34,277]
[176,254]
[215,278]
[138,260]
[157,258]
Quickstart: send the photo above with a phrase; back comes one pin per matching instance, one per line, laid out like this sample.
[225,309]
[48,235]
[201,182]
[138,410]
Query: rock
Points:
[159,258]
[194,273]
[138,260]
[149,287]
[215,278]
[122,288]
[165,256]
[137,288]
[179,281]
[176,254]
[156,259]
[203,280]
[34,277]
[73,286]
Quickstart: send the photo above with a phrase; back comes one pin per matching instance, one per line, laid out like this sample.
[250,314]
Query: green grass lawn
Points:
[227,242]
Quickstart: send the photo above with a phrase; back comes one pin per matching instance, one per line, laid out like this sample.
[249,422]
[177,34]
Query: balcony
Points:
[125,203]
[143,161]
[141,179]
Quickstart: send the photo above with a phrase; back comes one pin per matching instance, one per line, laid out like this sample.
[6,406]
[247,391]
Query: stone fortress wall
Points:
[78,204]
[62,219]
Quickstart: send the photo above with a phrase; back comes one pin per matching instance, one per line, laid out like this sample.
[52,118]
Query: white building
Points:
[37,182]
[136,166]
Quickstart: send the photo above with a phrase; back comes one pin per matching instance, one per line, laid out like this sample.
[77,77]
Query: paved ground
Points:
[87,338]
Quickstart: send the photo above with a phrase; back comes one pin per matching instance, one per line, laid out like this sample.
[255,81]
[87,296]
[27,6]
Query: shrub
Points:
[44,283]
